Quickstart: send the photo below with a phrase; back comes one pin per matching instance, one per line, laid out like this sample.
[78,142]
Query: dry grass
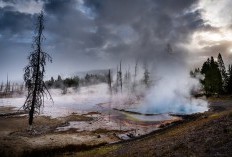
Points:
[208,135]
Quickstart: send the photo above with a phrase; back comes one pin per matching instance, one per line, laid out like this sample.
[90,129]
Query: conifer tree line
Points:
[216,79]
[76,81]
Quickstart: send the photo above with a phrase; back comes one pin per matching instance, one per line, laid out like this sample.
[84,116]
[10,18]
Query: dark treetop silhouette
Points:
[34,73]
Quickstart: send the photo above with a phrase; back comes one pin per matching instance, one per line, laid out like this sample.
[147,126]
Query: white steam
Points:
[172,95]
[172,92]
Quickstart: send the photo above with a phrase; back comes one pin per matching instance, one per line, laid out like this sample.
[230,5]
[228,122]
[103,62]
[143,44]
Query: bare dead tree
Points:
[146,78]
[7,88]
[110,82]
[34,73]
[117,80]
[110,89]
[12,87]
[1,87]
[136,69]
[135,76]
[127,80]
[120,75]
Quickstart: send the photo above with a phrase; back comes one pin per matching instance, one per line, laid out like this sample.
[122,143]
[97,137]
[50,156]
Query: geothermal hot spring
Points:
[119,112]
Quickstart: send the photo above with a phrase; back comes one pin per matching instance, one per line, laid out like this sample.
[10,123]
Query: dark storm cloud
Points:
[155,24]
[98,33]
[15,42]
[59,7]
[14,22]
[69,26]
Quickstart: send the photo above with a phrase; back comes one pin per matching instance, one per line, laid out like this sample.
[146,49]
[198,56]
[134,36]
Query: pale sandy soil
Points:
[80,131]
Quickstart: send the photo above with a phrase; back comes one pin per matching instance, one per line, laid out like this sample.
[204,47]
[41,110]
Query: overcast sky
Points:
[96,34]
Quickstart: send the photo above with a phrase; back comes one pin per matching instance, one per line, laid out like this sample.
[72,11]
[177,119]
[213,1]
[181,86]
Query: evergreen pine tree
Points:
[222,69]
[229,81]
[213,80]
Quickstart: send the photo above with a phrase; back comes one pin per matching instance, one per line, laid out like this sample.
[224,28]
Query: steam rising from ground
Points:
[75,101]
[172,88]
[173,94]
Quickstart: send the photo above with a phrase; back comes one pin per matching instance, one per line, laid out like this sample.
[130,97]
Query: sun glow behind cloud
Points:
[216,13]
[217,19]
[202,38]
[210,36]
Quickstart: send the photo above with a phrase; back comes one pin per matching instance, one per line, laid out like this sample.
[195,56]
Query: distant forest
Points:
[122,81]
[76,81]
[214,77]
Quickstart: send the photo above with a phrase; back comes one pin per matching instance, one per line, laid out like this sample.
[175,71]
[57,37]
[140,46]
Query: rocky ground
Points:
[207,134]
[76,132]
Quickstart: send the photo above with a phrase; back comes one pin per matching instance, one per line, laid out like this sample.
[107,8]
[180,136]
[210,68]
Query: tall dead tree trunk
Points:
[1,87]
[7,88]
[12,87]
[117,81]
[135,75]
[110,82]
[146,79]
[110,89]
[120,75]
[34,73]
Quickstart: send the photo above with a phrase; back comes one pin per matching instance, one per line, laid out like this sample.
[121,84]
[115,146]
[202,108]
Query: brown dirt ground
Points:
[17,140]
[208,134]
